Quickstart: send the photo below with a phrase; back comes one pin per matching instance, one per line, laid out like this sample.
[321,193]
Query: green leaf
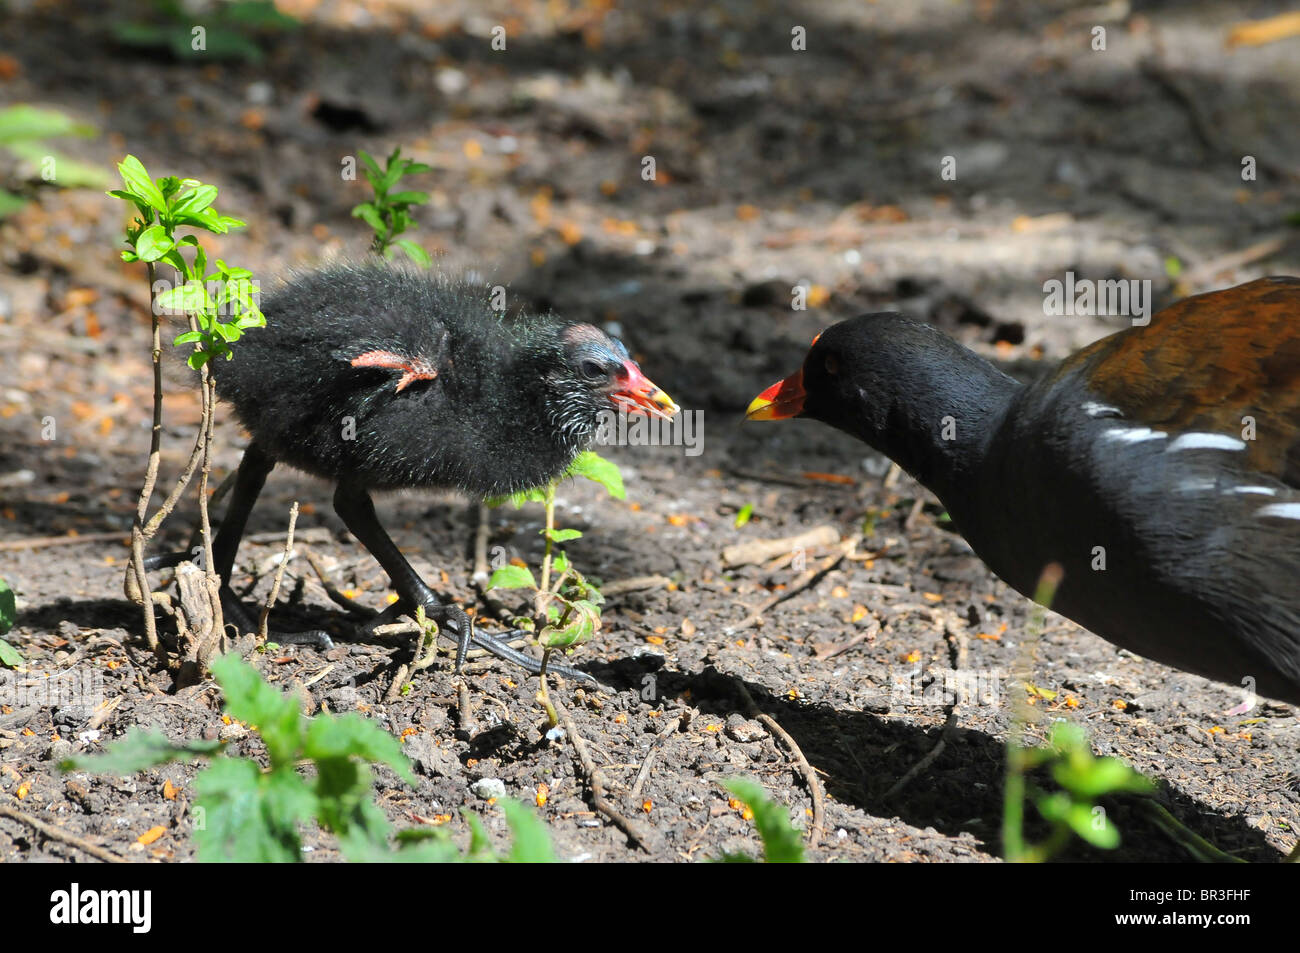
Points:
[10,203]
[1100,776]
[278,717]
[68,172]
[782,844]
[535,495]
[599,470]
[512,577]
[341,736]
[745,513]
[408,198]
[370,215]
[584,621]
[189,298]
[371,165]
[1095,828]
[532,843]
[153,243]
[562,535]
[24,123]
[10,657]
[248,816]
[480,845]
[140,750]
[8,609]
[414,252]
[559,564]
[138,182]
[191,203]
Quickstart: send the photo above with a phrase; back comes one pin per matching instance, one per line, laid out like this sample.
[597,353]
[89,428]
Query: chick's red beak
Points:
[639,395]
[783,399]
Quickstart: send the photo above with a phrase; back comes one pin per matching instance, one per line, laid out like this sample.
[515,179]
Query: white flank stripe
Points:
[1133,434]
[1288,511]
[1254,490]
[1205,441]
[1094,409]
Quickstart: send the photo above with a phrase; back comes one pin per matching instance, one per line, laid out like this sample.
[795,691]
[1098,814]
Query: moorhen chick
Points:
[1159,467]
[381,379]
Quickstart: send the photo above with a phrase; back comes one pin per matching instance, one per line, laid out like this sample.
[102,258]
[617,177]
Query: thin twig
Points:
[959,647]
[42,542]
[136,583]
[1196,845]
[332,591]
[596,782]
[806,769]
[209,385]
[465,710]
[643,774]
[482,570]
[279,574]
[55,833]
[802,582]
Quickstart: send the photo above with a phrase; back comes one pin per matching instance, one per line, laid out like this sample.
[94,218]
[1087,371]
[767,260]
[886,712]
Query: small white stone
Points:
[488,788]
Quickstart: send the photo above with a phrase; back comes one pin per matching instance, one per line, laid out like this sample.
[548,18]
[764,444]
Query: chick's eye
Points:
[832,364]
[592,370]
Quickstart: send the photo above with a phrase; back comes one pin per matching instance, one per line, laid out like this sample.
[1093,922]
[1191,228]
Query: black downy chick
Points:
[382,379]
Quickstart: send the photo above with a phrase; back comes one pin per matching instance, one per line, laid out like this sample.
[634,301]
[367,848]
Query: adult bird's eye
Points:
[592,370]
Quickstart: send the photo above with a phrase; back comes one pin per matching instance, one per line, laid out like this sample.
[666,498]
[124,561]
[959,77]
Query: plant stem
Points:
[550,530]
[209,384]
[136,583]
[543,693]
[1014,848]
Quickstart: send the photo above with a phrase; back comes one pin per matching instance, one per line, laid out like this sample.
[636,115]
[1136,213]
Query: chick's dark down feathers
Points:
[482,403]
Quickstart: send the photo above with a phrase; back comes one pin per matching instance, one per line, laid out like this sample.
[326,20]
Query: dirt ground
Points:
[773,167]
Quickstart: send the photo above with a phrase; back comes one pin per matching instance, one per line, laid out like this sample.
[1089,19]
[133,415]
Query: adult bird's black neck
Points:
[921,399]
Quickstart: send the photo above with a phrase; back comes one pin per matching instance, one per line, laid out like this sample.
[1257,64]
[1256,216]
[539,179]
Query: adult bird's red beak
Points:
[783,399]
[640,395]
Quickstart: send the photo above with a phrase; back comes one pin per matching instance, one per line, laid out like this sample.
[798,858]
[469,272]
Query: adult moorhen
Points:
[381,379]
[1159,467]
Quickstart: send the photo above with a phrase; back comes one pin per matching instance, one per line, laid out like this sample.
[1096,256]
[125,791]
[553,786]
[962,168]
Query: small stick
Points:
[42,542]
[760,550]
[481,567]
[806,769]
[805,581]
[54,833]
[596,783]
[635,584]
[279,574]
[332,591]
[959,646]
[465,709]
[643,774]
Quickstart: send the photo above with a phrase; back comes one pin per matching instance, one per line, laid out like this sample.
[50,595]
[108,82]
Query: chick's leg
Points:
[355,508]
[249,480]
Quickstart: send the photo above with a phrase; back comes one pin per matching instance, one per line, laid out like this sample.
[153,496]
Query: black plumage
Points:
[1158,467]
[377,379]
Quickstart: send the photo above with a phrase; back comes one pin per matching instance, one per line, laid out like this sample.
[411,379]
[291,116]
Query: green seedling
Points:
[782,843]
[566,607]
[165,206]
[23,131]
[247,812]
[228,31]
[389,213]
[9,656]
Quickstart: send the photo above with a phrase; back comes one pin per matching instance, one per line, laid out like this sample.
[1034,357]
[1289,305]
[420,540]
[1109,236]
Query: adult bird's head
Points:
[597,376]
[893,382]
